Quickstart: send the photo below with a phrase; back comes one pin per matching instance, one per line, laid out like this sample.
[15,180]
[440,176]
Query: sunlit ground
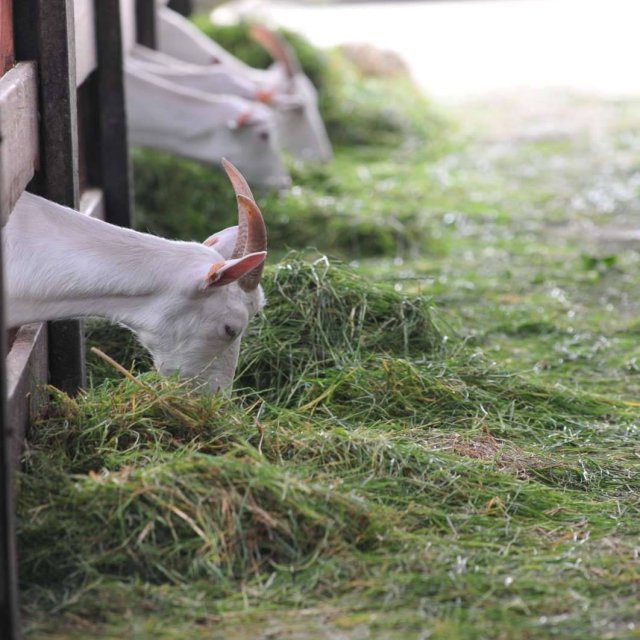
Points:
[460,49]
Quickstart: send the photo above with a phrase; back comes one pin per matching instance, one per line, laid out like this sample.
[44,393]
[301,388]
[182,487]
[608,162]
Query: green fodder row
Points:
[362,454]
[147,481]
[181,199]
[320,317]
[182,517]
[330,339]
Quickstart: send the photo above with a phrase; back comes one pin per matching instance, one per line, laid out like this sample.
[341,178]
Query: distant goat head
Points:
[198,334]
[164,115]
[301,129]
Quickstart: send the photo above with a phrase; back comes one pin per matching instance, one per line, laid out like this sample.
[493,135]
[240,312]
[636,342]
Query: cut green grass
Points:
[323,484]
[146,483]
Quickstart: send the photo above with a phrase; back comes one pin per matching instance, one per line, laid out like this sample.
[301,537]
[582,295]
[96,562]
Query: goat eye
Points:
[230,331]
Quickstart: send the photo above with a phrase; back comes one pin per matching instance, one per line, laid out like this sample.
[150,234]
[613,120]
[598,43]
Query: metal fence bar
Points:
[146,27]
[183,7]
[115,166]
[59,159]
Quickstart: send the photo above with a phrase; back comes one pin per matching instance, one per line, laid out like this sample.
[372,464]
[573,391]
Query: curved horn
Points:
[256,239]
[240,185]
[241,188]
[278,48]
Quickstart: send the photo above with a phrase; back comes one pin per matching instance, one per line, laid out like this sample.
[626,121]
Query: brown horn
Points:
[241,188]
[256,239]
[240,185]
[278,48]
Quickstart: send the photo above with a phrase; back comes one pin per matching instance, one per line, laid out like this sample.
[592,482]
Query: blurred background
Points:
[457,49]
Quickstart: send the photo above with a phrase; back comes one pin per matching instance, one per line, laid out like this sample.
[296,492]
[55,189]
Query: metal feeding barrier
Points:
[62,136]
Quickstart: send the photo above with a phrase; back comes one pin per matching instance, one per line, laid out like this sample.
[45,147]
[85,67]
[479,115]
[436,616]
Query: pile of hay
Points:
[320,319]
[345,380]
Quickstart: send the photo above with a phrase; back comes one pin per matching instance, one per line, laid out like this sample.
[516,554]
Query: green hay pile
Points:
[186,516]
[321,317]
[359,435]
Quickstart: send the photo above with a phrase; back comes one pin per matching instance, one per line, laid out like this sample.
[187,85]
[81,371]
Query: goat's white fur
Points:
[61,264]
[214,79]
[201,126]
[300,127]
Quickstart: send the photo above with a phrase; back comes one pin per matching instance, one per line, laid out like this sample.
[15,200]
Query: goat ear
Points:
[228,271]
[224,241]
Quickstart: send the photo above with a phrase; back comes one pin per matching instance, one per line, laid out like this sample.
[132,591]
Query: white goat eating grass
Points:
[188,303]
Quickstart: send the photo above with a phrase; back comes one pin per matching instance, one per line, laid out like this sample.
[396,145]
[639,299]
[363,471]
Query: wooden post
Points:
[146,28]
[114,147]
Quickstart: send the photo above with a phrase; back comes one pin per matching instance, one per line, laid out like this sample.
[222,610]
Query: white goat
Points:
[188,303]
[208,78]
[284,85]
[193,124]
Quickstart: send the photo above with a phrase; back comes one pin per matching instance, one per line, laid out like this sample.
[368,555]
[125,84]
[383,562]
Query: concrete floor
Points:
[469,48]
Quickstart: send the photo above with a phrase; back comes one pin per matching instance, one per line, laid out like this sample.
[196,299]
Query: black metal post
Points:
[115,166]
[146,29]
[183,7]
[59,160]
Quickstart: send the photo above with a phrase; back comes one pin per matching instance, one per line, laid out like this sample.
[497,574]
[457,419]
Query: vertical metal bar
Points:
[114,147]
[146,28]
[9,612]
[59,161]
[58,106]
[183,7]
